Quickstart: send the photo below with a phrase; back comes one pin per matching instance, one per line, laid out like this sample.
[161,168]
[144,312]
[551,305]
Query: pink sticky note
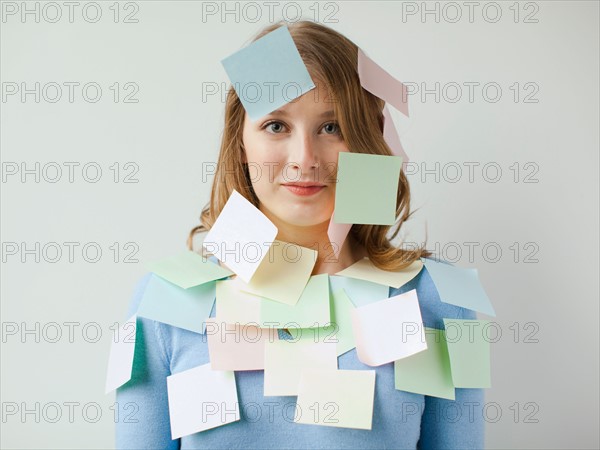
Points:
[389,329]
[380,83]
[337,233]
[391,136]
[237,347]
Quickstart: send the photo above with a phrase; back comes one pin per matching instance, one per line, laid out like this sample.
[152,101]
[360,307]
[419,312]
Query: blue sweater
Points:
[400,419]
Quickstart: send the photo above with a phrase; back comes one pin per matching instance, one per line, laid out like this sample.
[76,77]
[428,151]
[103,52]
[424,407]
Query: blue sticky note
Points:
[183,308]
[268,73]
[361,292]
[460,287]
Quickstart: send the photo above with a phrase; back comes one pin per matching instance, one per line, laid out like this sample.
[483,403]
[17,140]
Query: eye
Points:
[274,127]
[332,128]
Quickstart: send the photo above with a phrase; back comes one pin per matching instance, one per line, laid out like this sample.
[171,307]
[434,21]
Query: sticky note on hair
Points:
[336,398]
[388,330]
[241,236]
[183,308]
[364,269]
[380,83]
[120,361]
[458,286]
[427,372]
[367,188]
[268,73]
[201,399]
[469,351]
[188,269]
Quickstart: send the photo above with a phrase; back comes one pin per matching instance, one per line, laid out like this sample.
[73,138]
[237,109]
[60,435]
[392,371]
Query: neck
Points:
[315,237]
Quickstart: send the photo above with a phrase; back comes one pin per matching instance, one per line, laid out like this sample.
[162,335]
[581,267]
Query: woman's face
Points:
[292,155]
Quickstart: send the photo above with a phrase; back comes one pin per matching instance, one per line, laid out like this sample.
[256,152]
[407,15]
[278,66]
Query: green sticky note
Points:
[427,372]
[311,310]
[188,269]
[469,351]
[361,292]
[336,398]
[367,188]
[340,328]
[182,308]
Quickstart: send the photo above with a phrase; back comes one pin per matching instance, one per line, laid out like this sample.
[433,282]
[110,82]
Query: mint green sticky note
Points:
[458,286]
[188,269]
[367,188]
[340,328]
[360,292]
[427,372]
[268,73]
[469,351]
[183,308]
[311,310]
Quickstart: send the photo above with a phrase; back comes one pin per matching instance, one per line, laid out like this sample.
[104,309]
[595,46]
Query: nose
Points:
[303,157]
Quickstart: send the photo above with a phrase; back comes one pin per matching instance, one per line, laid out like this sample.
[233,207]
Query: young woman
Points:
[297,142]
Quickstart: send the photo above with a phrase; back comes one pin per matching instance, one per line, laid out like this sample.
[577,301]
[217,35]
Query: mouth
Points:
[304,189]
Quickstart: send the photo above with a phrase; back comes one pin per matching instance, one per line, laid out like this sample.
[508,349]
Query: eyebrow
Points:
[280,112]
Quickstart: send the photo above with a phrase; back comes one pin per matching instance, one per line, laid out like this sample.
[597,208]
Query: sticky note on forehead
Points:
[268,73]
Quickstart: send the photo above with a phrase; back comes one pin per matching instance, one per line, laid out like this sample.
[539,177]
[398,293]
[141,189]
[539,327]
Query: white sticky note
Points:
[241,236]
[200,399]
[120,361]
[388,330]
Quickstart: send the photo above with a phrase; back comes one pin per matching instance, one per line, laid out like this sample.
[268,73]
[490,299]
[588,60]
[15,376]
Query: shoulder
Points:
[433,310]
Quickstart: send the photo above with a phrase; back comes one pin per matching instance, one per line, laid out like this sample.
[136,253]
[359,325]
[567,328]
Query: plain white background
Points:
[543,128]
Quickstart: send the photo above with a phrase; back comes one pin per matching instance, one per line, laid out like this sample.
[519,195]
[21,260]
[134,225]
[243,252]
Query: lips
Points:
[304,188]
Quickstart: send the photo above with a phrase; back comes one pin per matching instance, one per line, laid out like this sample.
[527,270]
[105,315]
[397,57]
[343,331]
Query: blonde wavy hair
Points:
[331,57]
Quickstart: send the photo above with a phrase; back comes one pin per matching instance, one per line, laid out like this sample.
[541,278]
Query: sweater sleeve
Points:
[143,419]
[455,423]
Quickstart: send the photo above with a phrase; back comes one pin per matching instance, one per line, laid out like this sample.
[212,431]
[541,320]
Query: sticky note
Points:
[360,292]
[337,233]
[241,236]
[427,372]
[283,273]
[336,398]
[458,286]
[200,399]
[122,349]
[388,330]
[392,138]
[268,73]
[236,306]
[237,347]
[366,270]
[188,269]
[469,351]
[340,329]
[380,83]
[285,360]
[183,308]
[367,188]
[311,311]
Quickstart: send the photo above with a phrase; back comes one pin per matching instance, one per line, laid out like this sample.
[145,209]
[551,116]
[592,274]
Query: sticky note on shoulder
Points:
[268,73]
[469,351]
[367,188]
[120,362]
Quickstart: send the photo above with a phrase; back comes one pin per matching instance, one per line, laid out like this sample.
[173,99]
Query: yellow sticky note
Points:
[366,270]
[285,360]
[283,273]
[336,398]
